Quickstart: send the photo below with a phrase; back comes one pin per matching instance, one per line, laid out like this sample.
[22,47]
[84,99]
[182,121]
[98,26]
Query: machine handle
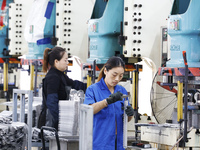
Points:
[184,57]
[121,28]
[121,38]
[185,138]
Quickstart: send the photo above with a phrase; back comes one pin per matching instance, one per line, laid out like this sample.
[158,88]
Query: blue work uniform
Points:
[106,120]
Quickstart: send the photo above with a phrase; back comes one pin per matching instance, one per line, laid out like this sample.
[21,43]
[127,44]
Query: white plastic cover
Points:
[34,29]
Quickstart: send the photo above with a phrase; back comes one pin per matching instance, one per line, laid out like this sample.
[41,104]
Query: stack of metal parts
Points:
[13,136]
[36,136]
[37,103]
[69,114]
[5,120]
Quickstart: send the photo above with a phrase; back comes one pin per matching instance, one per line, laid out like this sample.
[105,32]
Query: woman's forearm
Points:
[99,106]
[129,118]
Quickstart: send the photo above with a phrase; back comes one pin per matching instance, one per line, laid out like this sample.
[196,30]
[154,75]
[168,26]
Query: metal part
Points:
[125,125]
[54,39]
[36,73]
[22,110]
[197,98]
[125,96]
[94,72]
[121,38]
[185,99]
[86,127]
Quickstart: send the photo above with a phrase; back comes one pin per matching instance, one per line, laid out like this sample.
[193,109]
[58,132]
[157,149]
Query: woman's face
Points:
[113,76]
[63,63]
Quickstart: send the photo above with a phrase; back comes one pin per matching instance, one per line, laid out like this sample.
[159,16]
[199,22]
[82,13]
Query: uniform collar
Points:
[103,86]
[56,70]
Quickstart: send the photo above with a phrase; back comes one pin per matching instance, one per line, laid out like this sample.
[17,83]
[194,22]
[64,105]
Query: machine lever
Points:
[184,57]
[54,39]
[121,38]
[185,139]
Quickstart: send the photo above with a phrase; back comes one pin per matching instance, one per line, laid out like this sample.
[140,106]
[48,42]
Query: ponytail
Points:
[50,55]
[101,74]
[45,59]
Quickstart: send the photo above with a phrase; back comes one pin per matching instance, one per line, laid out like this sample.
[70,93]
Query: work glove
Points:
[114,97]
[129,111]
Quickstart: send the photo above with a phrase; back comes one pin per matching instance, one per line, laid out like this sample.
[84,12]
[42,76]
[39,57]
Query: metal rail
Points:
[22,94]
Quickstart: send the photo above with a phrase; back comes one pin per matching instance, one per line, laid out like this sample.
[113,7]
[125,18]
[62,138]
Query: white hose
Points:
[150,64]
[78,60]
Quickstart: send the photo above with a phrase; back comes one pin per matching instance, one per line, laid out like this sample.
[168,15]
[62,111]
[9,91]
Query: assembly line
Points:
[99,75]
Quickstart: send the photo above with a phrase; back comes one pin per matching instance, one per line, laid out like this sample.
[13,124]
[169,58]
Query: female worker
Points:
[106,98]
[56,85]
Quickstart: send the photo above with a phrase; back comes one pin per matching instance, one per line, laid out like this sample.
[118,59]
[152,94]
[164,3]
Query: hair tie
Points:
[49,52]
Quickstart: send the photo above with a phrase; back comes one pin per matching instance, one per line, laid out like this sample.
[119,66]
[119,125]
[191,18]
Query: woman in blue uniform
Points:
[56,85]
[106,98]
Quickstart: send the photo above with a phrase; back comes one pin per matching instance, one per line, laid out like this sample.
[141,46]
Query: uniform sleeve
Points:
[53,84]
[69,81]
[52,105]
[89,96]
[75,84]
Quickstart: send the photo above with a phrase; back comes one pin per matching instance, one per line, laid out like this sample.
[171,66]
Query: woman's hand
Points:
[114,97]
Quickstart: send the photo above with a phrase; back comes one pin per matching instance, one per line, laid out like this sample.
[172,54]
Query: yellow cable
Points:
[31,77]
[180,101]
[89,80]
[134,90]
[5,77]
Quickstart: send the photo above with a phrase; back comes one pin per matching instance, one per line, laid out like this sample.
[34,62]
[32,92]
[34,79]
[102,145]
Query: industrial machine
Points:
[175,88]
[9,60]
[103,31]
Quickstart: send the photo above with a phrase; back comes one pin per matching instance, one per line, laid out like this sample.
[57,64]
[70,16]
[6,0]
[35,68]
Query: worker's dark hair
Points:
[50,55]
[111,63]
